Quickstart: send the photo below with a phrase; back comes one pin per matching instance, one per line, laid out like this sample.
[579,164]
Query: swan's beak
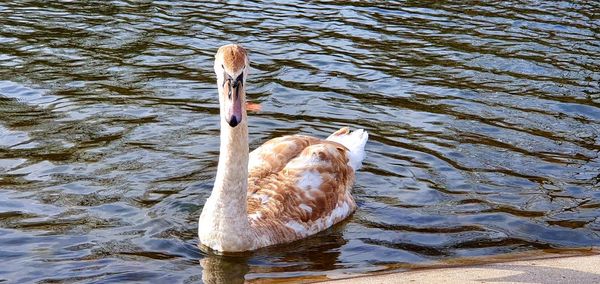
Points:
[233,90]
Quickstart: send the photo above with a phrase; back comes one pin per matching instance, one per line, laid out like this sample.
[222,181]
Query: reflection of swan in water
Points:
[222,269]
[289,188]
[318,253]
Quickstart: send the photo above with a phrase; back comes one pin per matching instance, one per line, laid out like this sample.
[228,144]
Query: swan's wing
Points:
[273,155]
[310,193]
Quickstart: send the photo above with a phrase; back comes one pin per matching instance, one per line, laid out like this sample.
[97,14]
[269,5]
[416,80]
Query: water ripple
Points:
[484,123]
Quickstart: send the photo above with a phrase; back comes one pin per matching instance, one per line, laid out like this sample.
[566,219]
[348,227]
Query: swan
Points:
[289,188]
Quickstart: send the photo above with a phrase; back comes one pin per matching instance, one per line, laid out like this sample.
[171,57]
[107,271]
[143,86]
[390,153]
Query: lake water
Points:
[484,124]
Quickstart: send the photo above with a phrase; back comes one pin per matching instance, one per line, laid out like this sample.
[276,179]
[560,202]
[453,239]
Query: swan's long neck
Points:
[224,221]
[231,182]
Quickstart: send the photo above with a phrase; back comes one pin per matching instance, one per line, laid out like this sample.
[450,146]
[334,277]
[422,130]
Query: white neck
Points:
[231,182]
[224,224]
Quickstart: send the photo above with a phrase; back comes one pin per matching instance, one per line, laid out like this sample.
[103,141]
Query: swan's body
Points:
[287,189]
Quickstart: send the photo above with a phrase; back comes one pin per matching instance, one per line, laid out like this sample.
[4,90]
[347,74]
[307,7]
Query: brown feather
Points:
[279,202]
[234,57]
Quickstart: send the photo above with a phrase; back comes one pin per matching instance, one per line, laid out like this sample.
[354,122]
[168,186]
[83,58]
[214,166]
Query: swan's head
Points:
[231,67]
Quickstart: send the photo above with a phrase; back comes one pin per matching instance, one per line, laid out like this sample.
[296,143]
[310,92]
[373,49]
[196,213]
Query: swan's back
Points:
[300,185]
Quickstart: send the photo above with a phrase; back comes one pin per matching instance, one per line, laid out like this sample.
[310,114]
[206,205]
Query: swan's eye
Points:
[240,78]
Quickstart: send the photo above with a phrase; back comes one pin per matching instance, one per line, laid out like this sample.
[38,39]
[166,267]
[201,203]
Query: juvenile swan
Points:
[289,188]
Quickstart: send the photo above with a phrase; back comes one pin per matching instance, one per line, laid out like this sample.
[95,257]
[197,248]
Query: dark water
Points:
[484,123]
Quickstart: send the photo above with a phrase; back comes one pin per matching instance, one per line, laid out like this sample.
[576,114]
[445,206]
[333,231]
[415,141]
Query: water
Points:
[484,123]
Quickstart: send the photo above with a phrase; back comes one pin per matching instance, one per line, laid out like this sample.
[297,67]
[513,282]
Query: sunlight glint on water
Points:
[484,125]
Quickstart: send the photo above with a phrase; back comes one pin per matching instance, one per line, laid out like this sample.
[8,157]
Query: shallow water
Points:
[484,123]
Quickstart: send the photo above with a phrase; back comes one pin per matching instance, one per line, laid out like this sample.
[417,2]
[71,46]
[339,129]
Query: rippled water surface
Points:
[484,123]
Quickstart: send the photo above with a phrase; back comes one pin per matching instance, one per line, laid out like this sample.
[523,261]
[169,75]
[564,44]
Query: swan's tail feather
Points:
[355,142]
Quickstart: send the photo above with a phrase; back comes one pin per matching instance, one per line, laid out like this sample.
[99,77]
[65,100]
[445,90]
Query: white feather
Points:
[310,180]
[262,197]
[305,208]
[255,216]
[355,142]
[340,212]
[297,227]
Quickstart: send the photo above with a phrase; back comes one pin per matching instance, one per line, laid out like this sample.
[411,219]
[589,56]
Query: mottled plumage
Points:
[289,188]
[298,186]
